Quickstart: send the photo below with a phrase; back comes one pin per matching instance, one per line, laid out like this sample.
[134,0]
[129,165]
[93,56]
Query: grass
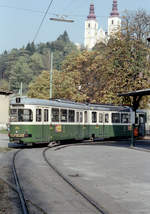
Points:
[4,149]
[3,131]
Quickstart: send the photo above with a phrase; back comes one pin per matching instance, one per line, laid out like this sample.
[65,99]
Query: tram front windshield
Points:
[21,115]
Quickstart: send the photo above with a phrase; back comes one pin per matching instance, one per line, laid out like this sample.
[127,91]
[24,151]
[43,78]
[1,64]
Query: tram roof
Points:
[52,102]
[67,104]
[107,107]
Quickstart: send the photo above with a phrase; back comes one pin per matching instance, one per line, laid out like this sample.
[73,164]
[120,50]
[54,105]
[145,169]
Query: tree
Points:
[129,68]
[31,48]
[31,60]
[63,86]
[136,25]
[122,66]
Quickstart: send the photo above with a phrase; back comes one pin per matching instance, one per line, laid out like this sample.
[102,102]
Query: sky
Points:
[20,20]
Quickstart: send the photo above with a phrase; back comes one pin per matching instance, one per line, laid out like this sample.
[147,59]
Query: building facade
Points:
[93,35]
[4,108]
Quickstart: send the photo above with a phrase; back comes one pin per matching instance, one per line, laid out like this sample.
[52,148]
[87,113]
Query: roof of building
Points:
[91,15]
[114,12]
[5,92]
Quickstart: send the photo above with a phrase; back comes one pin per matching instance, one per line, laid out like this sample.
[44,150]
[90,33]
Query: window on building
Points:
[112,22]
[55,115]
[89,25]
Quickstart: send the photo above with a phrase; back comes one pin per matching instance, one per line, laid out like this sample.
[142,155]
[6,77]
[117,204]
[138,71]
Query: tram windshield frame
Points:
[21,115]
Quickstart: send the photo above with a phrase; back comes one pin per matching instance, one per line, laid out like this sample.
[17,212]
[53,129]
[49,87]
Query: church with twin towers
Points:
[94,34]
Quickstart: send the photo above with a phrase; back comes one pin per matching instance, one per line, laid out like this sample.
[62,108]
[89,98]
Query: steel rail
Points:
[18,186]
[77,189]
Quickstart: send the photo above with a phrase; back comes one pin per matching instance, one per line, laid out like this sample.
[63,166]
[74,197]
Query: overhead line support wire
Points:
[42,20]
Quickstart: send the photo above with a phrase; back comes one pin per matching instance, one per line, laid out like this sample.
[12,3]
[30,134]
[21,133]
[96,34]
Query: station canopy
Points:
[137,95]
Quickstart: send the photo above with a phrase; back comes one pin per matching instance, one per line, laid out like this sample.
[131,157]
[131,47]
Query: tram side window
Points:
[85,117]
[100,117]
[25,115]
[125,118]
[77,117]
[63,115]
[55,115]
[136,119]
[94,117]
[38,115]
[115,117]
[81,117]
[46,115]
[141,118]
[106,118]
[71,116]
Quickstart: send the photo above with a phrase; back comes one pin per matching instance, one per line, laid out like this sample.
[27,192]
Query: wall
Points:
[4,111]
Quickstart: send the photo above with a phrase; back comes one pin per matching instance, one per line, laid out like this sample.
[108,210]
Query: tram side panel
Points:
[109,124]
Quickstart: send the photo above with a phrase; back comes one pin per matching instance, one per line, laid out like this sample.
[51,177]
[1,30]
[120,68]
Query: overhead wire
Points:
[42,20]
[42,12]
[19,8]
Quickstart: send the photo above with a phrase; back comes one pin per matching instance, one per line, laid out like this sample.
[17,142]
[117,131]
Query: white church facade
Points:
[93,35]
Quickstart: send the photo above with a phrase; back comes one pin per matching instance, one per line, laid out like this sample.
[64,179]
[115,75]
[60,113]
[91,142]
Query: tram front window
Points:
[21,115]
[13,115]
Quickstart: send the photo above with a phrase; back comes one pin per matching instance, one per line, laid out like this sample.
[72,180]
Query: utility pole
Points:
[51,75]
[20,90]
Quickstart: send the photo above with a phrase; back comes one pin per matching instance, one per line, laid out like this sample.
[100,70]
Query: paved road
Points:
[9,202]
[116,177]
[45,190]
[4,140]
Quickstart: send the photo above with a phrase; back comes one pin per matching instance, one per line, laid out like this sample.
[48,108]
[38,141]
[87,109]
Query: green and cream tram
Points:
[34,121]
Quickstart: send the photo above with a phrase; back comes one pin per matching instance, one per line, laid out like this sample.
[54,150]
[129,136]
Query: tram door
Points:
[101,124]
[141,124]
[86,126]
[79,120]
[45,126]
[39,125]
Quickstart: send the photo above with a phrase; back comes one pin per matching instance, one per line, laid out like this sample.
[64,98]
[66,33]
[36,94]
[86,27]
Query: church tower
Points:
[114,21]
[91,29]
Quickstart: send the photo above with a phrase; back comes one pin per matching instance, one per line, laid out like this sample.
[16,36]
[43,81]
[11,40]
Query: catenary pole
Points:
[51,75]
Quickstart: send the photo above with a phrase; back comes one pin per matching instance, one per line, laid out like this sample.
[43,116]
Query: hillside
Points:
[24,64]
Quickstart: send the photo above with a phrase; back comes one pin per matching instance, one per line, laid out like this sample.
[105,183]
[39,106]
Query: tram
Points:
[36,121]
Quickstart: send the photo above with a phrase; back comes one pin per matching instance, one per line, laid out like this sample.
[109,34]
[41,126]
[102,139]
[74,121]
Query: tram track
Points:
[18,189]
[91,201]
[18,186]
[26,203]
